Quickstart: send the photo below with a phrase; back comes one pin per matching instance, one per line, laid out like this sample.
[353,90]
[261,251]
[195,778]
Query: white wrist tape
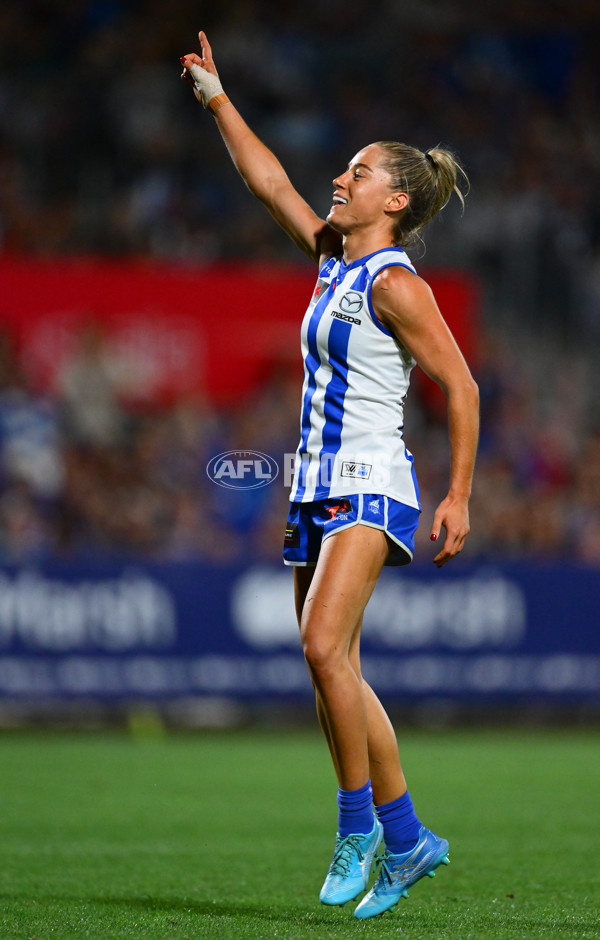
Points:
[209,86]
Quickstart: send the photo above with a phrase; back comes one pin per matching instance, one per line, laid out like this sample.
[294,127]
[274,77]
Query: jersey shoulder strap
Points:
[388,257]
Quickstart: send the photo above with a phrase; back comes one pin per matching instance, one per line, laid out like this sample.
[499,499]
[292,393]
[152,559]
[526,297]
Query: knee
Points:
[323,656]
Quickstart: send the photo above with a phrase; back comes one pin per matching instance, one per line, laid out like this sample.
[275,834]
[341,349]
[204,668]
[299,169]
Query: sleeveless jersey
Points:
[356,377]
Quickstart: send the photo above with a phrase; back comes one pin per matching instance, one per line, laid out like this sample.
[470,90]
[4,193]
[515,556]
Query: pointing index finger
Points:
[205,46]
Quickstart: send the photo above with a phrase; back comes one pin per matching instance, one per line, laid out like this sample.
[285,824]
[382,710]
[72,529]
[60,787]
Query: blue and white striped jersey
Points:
[356,377]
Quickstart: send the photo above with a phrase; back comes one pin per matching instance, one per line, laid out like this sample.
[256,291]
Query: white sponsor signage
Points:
[485,609]
[115,614]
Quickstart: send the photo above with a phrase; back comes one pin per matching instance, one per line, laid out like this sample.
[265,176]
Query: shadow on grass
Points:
[212,908]
[216,909]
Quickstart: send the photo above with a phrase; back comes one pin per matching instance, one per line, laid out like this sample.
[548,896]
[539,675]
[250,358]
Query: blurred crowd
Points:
[82,475]
[103,150]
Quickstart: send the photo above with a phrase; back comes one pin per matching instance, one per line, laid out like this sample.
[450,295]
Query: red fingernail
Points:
[433,537]
[182,60]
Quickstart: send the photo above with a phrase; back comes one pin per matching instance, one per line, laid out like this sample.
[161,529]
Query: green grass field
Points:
[230,835]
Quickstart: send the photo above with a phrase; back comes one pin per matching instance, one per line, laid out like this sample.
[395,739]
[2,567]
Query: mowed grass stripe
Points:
[229,836]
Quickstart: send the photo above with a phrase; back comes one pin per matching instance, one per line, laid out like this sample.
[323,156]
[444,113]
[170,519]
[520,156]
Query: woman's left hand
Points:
[453,515]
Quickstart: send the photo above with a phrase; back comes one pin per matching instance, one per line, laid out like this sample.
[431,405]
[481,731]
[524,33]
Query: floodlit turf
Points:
[230,835]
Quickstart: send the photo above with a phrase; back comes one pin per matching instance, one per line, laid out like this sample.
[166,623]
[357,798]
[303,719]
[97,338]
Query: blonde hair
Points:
[428,178]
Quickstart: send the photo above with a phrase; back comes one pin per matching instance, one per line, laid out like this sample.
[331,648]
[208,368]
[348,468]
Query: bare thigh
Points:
[330,601]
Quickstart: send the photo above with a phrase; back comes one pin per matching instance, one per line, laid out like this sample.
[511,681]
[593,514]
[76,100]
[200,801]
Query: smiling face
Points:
[363,196]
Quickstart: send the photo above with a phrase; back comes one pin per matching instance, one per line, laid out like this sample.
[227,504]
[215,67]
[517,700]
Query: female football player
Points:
[355,500]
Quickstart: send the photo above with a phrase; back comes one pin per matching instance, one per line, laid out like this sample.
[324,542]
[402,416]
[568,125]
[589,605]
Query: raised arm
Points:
[257,165]
[406,306]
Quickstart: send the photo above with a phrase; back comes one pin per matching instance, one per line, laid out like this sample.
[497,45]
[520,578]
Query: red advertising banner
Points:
[173,331]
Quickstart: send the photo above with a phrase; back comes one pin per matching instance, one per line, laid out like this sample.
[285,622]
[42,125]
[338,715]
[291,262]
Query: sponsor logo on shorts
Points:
[374,505]
[292,535]
[340,511]
[360,471]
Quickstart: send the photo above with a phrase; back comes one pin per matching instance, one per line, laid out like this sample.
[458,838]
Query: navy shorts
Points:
[309,523]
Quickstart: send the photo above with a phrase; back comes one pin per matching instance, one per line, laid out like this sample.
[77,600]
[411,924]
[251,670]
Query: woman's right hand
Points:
[200,72]
[257,165]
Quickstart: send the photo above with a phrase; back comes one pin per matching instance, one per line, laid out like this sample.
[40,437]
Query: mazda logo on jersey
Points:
[351,302]
[345,317]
